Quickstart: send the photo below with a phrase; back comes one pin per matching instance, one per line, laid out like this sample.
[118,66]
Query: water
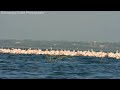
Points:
[37,67]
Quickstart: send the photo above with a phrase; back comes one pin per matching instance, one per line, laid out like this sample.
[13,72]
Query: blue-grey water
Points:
[38,67]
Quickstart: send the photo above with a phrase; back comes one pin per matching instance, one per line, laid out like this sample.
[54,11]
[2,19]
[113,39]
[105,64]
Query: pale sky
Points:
[62,25]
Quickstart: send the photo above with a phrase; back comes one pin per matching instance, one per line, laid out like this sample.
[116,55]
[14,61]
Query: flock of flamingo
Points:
[62,52]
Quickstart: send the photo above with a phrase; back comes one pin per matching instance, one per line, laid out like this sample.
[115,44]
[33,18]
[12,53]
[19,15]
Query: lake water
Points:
[38,67]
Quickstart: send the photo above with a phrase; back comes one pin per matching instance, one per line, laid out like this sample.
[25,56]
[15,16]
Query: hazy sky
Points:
[62,25]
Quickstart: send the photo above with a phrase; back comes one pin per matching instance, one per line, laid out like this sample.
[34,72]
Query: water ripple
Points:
[36,66]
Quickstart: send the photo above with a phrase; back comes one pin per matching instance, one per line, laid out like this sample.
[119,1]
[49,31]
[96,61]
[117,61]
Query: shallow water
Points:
[38,67]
